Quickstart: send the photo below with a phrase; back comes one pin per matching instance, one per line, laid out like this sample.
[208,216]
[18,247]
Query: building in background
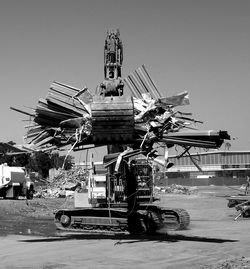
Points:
[216,167]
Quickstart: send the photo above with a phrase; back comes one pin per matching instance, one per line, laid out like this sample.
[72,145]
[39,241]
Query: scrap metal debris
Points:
[68,116]
[241,202]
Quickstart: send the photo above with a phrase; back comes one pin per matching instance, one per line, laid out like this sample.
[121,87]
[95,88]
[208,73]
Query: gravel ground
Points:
[214,240]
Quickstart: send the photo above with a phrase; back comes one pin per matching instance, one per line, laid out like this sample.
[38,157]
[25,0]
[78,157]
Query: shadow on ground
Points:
[129,239]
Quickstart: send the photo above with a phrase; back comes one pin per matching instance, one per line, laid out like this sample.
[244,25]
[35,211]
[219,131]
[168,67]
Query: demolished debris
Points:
[63,184]
[176,189]
[241,202]
[71,116]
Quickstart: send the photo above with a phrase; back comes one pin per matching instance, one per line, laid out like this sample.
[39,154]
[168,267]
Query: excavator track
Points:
[169,218]
[175,218]
[149,219]
[92,220]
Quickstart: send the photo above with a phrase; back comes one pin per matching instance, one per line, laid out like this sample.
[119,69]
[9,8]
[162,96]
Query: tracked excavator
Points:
[126,203]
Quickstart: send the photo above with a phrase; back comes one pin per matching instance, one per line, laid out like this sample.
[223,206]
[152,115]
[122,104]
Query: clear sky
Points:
[196,45]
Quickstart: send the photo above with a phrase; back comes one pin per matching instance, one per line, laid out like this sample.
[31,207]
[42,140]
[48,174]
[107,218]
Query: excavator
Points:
[131,125]
[129,205]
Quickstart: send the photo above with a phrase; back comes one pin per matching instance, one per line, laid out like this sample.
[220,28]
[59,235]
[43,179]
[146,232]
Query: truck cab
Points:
[14,182]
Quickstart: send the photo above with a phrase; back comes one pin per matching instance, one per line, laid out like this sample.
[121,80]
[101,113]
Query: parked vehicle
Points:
[14,182]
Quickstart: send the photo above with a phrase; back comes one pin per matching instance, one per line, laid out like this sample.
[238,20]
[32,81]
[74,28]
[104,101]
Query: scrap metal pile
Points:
[67,117]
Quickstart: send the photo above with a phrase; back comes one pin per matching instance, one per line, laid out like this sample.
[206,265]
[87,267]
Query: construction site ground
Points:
[28,238]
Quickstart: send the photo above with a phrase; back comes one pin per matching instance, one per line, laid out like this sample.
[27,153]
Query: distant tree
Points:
[7,155]
[20,160]
[36,162]
[5,159]
[40,162]
[57,161]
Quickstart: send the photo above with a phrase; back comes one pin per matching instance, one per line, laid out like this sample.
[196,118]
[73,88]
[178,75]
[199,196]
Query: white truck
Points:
[15,183]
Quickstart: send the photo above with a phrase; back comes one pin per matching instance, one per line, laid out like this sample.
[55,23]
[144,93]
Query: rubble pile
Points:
[64,184]
[177,189]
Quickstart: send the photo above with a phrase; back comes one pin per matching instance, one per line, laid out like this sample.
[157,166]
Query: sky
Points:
[195,45]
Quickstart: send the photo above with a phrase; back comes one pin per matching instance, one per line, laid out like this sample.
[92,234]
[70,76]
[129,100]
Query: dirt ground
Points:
[28,238]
